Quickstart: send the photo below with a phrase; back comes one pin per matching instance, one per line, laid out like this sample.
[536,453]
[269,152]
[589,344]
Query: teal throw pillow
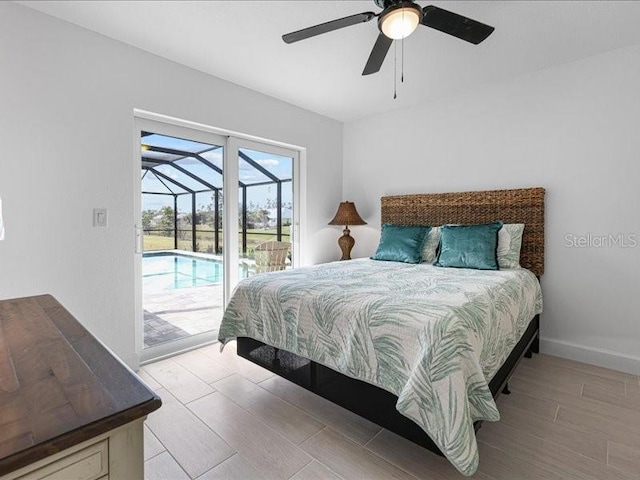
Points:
[401,243]
[469,246]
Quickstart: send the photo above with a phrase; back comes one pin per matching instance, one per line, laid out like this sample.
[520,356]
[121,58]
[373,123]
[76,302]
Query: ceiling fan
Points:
[396,21]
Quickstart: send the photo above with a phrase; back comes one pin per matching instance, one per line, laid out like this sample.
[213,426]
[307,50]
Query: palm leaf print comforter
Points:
[432,336]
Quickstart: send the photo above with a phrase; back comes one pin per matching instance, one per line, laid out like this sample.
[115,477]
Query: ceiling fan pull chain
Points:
[402,53]
[395,70]
[402,64]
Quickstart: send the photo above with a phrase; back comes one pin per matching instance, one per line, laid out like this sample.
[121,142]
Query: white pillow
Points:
[430,249]
[509,245]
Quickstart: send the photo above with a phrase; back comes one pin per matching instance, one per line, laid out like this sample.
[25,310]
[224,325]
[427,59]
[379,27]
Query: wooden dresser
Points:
[69,409]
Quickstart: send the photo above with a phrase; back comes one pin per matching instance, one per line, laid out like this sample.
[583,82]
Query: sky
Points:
[279,166]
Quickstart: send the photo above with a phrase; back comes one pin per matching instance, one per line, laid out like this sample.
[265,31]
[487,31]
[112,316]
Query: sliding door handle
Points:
[139,239]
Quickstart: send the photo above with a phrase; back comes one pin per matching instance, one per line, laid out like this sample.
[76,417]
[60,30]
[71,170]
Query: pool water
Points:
[170,271]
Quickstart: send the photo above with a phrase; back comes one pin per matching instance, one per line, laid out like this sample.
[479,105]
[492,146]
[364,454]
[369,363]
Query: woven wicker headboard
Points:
[525,205]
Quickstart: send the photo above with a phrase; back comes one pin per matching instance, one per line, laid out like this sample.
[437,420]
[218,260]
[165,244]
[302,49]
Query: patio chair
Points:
[271,256]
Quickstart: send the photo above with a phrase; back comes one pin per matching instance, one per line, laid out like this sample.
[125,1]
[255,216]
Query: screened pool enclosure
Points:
[183,196]
[183,259]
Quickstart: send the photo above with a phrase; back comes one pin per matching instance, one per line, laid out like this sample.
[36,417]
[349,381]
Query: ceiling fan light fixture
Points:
[401,20]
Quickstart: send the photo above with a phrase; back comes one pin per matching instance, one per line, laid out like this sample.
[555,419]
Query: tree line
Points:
[162,219]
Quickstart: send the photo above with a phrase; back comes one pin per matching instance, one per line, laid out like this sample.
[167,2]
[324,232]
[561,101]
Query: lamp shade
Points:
[347,215]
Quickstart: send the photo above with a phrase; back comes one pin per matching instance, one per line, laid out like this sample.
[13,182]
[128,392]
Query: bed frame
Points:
[511,206]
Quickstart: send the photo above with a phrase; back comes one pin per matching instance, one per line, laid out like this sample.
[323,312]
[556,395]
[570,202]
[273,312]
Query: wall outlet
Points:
[99,217]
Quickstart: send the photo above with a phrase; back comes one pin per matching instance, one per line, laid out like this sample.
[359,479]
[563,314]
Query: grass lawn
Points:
[205,240]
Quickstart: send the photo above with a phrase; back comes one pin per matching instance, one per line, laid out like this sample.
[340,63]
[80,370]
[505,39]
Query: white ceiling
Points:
[240,41]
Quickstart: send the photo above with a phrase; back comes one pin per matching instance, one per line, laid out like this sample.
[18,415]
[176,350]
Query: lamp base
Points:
[346,243]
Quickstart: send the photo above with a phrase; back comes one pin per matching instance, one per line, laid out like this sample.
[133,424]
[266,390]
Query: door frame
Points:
[192,341]
[230,141]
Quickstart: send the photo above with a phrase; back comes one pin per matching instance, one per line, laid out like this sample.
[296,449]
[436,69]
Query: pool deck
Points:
[173,314]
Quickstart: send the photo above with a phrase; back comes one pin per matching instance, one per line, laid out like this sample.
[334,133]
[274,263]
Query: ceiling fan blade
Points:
[379,52]
[461,27]
[328,27]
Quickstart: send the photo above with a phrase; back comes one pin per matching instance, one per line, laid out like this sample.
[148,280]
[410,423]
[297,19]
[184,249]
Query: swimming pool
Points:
[170,271]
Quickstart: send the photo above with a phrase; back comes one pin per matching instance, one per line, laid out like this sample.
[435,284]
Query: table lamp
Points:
[347,215]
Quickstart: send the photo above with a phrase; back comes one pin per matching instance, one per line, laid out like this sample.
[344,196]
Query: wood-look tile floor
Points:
[226,418]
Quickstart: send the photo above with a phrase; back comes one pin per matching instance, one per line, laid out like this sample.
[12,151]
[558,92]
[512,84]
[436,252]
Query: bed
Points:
[421,350]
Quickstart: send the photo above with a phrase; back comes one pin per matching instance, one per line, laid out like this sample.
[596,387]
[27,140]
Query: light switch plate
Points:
[99,217]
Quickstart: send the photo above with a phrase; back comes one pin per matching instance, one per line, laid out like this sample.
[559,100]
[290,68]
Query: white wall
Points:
[574,130]
[66,126]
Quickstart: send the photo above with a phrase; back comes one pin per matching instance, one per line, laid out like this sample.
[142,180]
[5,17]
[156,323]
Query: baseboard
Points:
[130,361]
[593,356]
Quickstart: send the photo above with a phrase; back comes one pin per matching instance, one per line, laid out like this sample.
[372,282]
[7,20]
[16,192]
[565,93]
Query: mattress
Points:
[432,336]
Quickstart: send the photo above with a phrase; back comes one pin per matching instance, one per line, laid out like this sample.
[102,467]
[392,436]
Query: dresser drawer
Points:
[90,463]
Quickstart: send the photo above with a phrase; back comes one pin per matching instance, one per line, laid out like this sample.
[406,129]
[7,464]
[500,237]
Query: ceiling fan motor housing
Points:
[387,3]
